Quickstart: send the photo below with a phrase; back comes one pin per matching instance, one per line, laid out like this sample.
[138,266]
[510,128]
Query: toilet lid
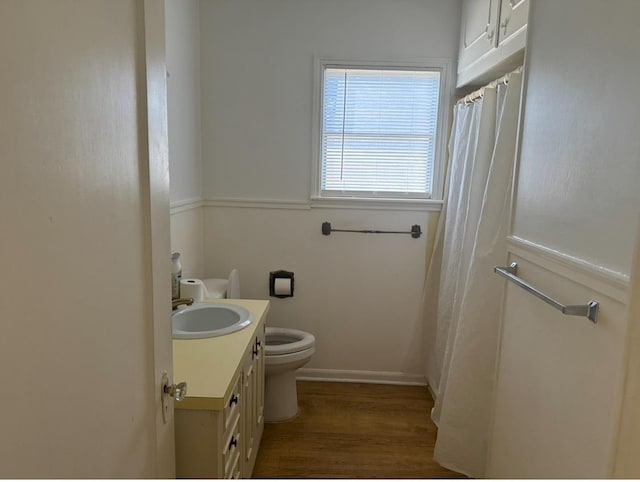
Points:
[281,341]
[216,287]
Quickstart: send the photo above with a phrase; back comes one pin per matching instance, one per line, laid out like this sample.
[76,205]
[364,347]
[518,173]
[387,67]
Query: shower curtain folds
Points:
[463,298]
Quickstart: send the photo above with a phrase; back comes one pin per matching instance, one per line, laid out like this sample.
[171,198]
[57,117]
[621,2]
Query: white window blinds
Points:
[378,132]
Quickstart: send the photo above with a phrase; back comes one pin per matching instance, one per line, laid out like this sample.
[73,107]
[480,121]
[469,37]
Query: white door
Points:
[576,208]
[84,240]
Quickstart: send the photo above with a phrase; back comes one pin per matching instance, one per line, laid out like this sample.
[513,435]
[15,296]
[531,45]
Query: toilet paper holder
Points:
[280,274]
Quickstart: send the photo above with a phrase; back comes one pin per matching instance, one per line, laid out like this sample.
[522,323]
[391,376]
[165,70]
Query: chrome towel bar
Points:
[590,310]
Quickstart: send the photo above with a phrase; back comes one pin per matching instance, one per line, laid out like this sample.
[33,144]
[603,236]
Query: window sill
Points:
[376,203]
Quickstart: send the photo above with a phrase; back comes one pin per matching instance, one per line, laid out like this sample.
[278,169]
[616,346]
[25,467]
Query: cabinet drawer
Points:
[232,405]
[236,475]
[233,471]
[231,448]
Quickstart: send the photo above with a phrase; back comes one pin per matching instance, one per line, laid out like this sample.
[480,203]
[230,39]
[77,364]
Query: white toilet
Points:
[286,351]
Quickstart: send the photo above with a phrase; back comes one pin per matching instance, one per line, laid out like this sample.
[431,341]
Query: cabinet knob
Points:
[489,31]
[504,24]
[234,400]
[233,443]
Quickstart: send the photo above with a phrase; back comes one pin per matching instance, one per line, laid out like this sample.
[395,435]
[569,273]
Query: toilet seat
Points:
[283,341]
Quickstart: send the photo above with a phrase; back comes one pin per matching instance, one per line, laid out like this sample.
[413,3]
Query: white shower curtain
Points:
[463,297]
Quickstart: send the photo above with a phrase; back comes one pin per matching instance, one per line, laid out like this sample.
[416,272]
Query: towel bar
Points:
[590,310]
[415,232]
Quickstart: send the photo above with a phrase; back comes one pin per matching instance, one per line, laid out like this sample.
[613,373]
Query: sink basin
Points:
[206,320]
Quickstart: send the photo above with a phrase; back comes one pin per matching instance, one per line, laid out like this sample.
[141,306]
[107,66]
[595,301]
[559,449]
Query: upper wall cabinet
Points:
[478,32]
[513,20]
[492,39]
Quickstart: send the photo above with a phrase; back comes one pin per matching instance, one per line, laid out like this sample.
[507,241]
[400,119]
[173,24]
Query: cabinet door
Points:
[249,380]
[260,380]
[513,18]
[478,33]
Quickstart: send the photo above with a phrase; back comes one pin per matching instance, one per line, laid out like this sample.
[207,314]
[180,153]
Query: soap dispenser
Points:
[176,275]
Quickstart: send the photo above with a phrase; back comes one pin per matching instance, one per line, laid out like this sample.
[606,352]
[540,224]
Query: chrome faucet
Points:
[181,301]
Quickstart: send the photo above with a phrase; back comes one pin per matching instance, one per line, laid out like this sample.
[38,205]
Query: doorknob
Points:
[176,391]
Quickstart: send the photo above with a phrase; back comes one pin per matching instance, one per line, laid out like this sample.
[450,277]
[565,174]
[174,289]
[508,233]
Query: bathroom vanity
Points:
[219,424]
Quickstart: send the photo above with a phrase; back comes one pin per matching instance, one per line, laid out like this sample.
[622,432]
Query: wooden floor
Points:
[353,430]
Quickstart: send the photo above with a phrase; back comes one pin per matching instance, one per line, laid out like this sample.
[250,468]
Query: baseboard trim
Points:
[434,395]
[361,376]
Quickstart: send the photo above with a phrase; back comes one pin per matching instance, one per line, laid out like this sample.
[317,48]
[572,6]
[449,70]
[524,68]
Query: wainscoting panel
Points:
[559,379]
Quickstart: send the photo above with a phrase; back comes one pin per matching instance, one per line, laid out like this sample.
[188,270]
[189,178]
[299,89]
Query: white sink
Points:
[206,320]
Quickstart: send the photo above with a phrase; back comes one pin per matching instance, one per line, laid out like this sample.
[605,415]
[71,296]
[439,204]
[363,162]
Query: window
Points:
[378,131]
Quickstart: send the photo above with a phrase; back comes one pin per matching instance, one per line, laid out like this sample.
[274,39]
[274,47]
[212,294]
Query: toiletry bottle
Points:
[176,275]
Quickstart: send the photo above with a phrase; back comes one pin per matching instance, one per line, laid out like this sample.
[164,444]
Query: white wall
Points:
[183,98]
[578,190]
[187,238]
[185,132]
[560,378]
[257,74]
[359,294]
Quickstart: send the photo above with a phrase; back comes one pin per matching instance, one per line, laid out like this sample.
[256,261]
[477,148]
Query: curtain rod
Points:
[478,94]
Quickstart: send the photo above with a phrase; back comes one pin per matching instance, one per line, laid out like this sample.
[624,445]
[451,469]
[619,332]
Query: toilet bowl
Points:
[286,351]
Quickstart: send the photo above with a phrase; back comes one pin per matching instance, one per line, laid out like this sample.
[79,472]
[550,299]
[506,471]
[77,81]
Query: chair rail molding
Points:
[328,203]
[186,205]
[600,278]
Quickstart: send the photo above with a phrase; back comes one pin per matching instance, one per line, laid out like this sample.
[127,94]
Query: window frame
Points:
[443,66]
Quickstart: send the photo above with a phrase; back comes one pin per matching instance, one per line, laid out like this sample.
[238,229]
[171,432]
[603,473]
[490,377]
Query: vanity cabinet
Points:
[492,39]
[209,442]
[219,424]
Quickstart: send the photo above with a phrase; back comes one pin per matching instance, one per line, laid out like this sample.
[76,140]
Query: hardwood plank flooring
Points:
[353,430]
